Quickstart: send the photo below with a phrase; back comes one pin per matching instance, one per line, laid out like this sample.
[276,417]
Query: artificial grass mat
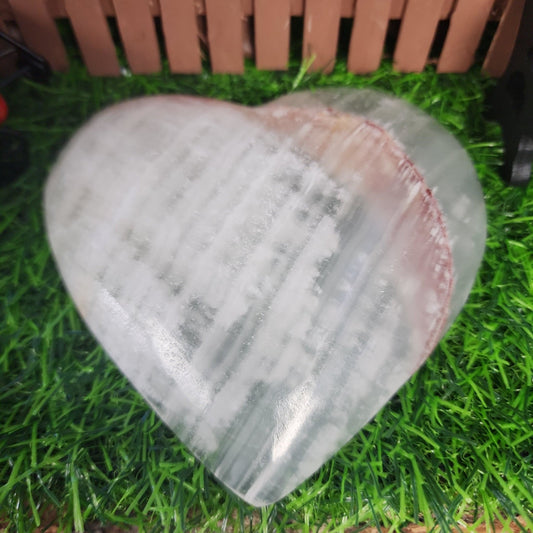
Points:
[453,448]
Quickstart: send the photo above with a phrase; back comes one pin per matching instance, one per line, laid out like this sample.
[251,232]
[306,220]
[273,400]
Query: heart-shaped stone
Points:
[266,278]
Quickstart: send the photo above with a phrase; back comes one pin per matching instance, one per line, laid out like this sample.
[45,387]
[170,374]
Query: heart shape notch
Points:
[266,278]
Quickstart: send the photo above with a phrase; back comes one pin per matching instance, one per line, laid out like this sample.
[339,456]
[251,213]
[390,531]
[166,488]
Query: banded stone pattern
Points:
[447,169]
[266,278]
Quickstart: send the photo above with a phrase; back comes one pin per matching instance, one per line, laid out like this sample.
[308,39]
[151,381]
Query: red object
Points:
[3,109]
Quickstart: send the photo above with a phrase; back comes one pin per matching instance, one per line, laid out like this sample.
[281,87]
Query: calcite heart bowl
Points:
[267,278]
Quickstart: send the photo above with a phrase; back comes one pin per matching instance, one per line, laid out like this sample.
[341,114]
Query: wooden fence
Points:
[225,31]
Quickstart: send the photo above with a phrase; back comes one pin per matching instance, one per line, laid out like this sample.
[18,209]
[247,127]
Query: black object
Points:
[14,155]
[14,149]
[29,63]
[511,104]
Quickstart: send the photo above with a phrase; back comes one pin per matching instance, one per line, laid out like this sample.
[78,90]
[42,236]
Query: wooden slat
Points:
[93,36]
[467,23]
[417,32]
[272,34]
[368,35]
[39,31]
[224,35]
[57,8]
[447,8]
[178,19]
[495,63]
[398,8]
[109,8]
[247,7]
[504,39]
[321,33]
[297,8]
[137,31]
[347,8]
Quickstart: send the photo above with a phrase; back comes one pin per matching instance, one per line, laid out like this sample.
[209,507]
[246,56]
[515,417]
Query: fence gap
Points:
[248,39]
[441,34]
[391,38]
[343,42]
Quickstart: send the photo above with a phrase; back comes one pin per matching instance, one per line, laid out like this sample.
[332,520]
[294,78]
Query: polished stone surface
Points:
[267,278]
[446,167]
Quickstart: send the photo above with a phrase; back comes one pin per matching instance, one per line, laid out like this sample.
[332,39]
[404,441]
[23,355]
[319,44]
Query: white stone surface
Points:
[438,156]
[266,278]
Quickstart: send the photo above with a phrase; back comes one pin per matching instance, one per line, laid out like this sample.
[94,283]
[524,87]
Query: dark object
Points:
[14,155]
[29,63]
[511,104]
[14,150]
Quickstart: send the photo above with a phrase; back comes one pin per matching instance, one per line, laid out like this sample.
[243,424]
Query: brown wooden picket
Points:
[419,24]
[272,34]
[501,47]
[321,33]
[39,30]
[136,26]
[180,28]
[466,29]
[93,36]
[224,32]
[371,19]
